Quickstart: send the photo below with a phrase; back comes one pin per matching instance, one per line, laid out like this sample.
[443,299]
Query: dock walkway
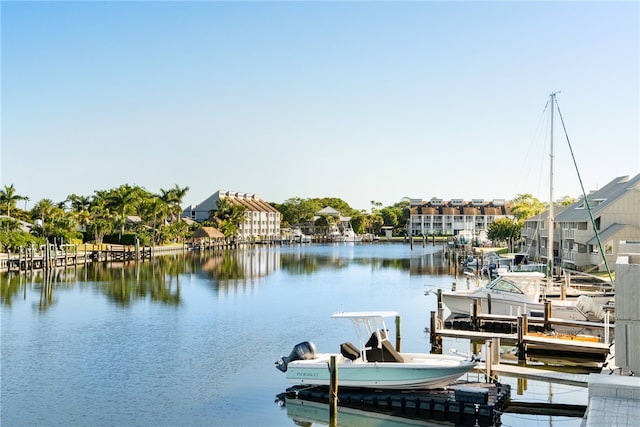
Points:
[614,400]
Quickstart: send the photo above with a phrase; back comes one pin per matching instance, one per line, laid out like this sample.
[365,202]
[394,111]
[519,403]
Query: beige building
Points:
[615,209]
[449,218]
[262,220]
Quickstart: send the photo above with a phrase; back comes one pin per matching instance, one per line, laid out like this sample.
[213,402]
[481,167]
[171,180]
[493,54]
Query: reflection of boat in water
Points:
[373,363]
[516,293]
[305,412]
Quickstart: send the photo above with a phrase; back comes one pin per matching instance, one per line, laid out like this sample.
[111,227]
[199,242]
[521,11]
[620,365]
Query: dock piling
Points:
[333,392]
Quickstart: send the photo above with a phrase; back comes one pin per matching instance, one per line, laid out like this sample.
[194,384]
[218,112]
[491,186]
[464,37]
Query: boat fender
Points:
[305,350]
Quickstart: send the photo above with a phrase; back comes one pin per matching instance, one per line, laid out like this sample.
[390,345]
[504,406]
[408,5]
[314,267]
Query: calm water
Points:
[192,340]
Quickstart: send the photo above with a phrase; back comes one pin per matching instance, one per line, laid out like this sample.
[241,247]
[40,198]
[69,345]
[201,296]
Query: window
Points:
[608,248]
[504,285]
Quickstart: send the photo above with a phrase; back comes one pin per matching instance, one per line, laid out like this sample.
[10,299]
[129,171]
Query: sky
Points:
[364,101]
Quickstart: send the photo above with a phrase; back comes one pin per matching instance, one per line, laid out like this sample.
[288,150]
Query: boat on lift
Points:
[372,363]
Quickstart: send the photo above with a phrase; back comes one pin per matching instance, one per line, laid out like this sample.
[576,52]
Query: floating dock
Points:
[464,404]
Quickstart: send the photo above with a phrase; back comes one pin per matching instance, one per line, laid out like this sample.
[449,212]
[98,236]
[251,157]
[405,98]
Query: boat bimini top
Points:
[371,329]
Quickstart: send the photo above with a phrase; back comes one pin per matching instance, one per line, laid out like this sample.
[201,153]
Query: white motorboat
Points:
[374,362]
[514,293]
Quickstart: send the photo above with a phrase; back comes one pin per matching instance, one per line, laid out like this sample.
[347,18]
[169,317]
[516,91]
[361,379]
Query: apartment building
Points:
[262,220]
[589,231]
[449,218]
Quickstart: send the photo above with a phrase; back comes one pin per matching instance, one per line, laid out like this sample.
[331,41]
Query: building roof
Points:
[210,232]
[543,216]
[608,233]
[252,202]
[460,207]
[600,199]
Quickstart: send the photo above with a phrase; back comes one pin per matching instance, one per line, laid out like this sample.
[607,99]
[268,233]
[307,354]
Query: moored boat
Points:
[517,293]
[373,363]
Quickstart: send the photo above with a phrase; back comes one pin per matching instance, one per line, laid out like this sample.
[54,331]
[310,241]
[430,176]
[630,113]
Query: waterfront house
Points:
[450,218]
[262,221]
[614,209]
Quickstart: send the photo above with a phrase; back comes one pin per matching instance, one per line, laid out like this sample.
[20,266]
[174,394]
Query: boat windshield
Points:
[503,285]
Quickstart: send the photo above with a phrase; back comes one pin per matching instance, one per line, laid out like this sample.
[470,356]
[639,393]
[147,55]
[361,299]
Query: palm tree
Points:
[8,198]
[123,200]
[229,217]
[154,210]
[45,210]
[79,203]
[101,222]
[173,198]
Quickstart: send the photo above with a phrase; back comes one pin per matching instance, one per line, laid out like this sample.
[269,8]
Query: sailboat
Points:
[524,293]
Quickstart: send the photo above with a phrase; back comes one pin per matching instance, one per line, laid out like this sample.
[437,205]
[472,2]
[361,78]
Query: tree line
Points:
[129,212]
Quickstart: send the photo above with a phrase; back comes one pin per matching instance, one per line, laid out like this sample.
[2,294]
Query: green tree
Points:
[55,224]
[297,210]
[567,200]
[525,206]
[102,220]
[124,200]
[12,237]
[228,217]
[173,199]
[79,203]
[8,198]
[337,204]
[504,230]
[154,211]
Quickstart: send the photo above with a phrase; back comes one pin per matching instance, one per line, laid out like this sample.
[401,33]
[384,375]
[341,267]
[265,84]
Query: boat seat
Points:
[349,351]
[384,354]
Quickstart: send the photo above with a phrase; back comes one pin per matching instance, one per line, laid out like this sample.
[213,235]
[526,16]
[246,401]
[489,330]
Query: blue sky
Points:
[358,100]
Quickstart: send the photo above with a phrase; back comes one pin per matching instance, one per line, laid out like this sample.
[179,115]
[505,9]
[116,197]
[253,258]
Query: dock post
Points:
[547,315]
[440,312]
[436,340]
[489,361]
[333,392]
[476,311]
[398,334]
[523,326]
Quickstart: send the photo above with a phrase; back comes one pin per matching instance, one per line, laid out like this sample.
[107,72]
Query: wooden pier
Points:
[533,335]
[51,257]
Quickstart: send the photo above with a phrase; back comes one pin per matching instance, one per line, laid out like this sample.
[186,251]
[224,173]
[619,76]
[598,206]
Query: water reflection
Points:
[184,339]
[159,279]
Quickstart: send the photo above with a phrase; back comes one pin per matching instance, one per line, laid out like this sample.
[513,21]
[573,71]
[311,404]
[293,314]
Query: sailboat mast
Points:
[551,213]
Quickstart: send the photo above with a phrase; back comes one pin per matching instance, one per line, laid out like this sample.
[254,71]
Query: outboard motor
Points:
[304,351]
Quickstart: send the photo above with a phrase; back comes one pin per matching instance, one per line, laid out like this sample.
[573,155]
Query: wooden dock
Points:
[532,335]
[72,255]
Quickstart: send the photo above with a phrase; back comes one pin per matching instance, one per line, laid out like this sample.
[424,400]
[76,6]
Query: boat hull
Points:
[418,371]
[460,305]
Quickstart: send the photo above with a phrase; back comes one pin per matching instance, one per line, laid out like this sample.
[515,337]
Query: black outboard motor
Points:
[304,351]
